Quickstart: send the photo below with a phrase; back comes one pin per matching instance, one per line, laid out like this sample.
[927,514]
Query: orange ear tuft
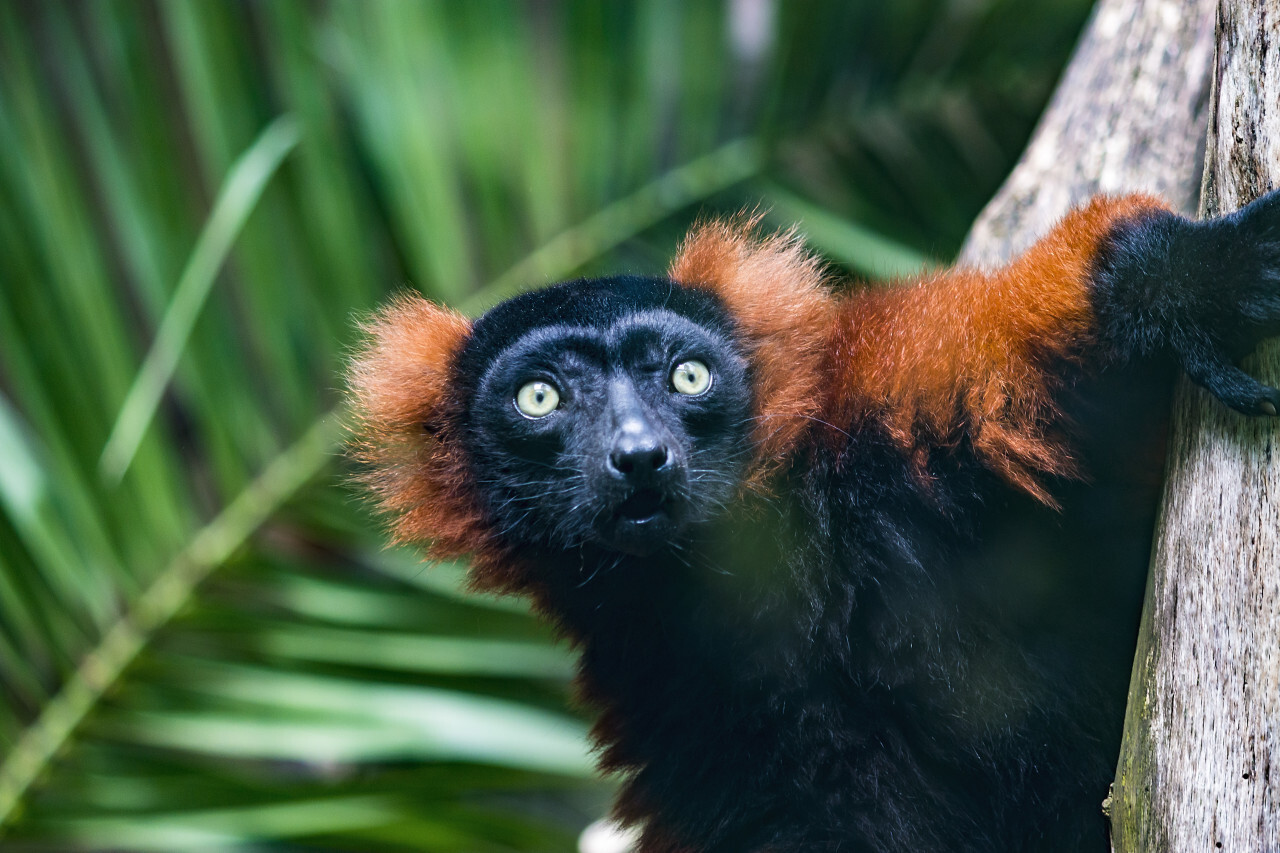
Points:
[406,411]
[775,290]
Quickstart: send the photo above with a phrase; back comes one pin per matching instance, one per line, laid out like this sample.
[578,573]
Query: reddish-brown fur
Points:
[415,466]
[982,352]
[952,351]
[955,353]
[400,381]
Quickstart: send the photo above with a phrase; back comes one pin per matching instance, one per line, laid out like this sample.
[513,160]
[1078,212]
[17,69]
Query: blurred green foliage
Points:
[202,644]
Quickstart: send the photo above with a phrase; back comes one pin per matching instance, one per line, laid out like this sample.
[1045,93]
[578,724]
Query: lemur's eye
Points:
[691,378]
[537,399]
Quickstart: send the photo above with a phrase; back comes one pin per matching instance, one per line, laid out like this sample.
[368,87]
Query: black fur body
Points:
[814,666]
[805,671]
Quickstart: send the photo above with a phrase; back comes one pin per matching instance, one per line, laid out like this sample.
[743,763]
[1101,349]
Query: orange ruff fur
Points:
[774,290]
[416,470]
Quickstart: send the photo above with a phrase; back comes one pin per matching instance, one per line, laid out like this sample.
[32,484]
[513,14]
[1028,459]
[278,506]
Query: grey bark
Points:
[1201,733]
[1128,116]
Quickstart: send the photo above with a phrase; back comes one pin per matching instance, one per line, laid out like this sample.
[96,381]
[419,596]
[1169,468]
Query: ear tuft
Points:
[775,290]
[407,411]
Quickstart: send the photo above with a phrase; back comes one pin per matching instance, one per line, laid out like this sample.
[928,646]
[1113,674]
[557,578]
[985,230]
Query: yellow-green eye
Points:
[691,378]
[537,399]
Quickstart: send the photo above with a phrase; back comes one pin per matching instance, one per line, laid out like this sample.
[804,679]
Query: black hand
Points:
[1206,291]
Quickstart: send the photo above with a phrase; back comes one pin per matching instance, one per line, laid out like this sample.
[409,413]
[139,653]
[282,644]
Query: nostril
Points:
[623,463]
[638,461]
[658,457]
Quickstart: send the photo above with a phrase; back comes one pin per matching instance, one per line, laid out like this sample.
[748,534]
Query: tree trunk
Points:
[1128,116]
[1195,772]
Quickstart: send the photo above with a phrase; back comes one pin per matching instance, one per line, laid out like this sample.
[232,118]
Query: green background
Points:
[203,643]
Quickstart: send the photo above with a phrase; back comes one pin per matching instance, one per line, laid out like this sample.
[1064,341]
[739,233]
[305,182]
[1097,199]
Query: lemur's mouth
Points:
[643,505]
[642,523]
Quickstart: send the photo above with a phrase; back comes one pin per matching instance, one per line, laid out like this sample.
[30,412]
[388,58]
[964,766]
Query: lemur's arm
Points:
[977,357]
[983,357]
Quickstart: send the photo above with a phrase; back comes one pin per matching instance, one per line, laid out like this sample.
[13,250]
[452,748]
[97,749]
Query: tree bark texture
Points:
[1128,115]
[1196,770]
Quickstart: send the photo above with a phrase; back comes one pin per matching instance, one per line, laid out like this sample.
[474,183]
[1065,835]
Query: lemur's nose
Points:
[639,447]
[637,458]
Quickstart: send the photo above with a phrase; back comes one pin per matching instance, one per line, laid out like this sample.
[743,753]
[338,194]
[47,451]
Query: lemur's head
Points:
[614,413]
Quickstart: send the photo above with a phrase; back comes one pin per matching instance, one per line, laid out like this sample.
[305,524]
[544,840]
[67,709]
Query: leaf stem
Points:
[722,168]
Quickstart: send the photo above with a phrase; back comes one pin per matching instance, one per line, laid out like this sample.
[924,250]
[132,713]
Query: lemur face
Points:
[617,415]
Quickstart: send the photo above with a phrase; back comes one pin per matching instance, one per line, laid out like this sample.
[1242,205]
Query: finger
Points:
[1234,387]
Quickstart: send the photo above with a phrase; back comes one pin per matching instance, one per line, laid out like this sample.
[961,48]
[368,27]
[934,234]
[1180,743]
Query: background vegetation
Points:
[203,644]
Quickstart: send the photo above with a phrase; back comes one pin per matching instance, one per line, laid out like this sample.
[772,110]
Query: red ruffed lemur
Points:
[745,498]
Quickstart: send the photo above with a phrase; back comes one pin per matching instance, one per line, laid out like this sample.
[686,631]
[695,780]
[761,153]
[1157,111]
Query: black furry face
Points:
[609,413]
